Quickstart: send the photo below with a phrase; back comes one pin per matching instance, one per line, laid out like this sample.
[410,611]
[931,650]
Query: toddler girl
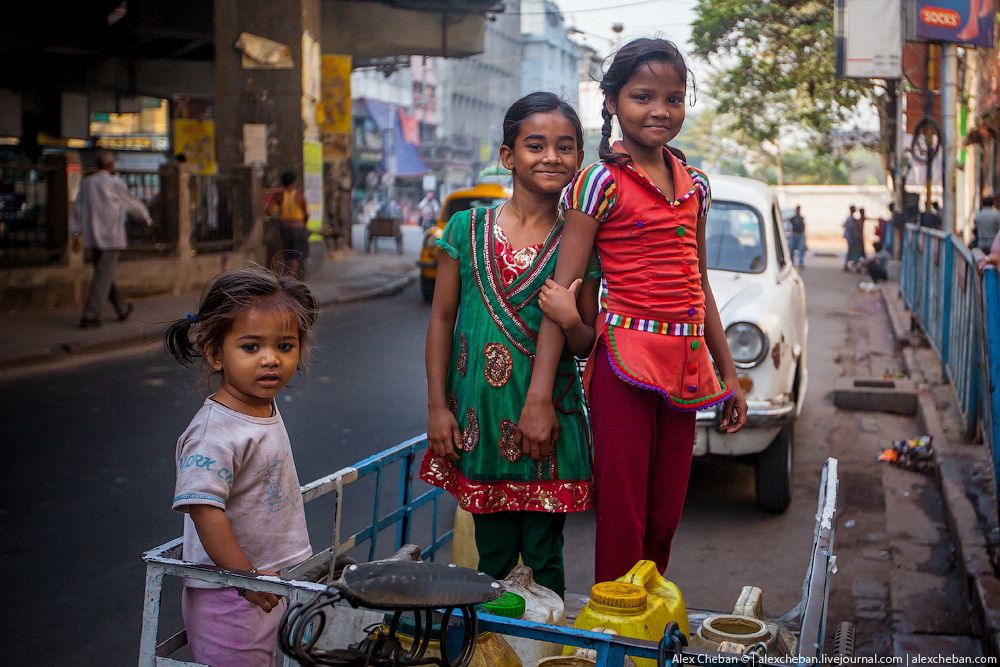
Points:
[236,481]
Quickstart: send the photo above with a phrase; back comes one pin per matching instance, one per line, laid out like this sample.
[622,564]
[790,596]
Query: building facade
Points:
[473,96]
[551,60]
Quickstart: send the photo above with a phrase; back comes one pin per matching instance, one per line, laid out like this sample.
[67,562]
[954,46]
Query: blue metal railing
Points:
[958,311]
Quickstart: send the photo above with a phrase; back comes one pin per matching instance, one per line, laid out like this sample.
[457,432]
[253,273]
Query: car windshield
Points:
[734,238]
[457,204]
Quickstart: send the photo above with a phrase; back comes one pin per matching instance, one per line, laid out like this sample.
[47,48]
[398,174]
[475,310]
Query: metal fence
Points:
[958,311]
[221,212]
[27,236]
[152,189]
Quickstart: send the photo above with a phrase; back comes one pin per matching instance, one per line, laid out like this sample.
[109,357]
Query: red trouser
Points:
[642,460]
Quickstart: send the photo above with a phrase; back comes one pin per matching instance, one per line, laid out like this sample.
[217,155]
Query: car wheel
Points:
[427,288]
[774,472]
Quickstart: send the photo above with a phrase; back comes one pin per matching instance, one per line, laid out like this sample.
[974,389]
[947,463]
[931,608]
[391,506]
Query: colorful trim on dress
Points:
[480,497]
[653,326]
[679,404]
[490,292]
[593,192]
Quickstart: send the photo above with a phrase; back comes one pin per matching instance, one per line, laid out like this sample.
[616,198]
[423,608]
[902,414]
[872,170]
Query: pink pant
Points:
[224,630]
[642,460]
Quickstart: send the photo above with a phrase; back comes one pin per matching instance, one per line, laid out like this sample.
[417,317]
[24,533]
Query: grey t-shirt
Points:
[987,225]
[243,465]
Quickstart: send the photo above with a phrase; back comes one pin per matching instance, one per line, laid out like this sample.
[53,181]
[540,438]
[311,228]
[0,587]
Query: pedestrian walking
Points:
[987,224]
[292,211]
[98,217]
[797,237]
[429,209]
[236,480]
[480,347]
[644,209]
[852,234]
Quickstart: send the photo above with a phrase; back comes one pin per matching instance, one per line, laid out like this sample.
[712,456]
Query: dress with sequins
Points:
[488,376]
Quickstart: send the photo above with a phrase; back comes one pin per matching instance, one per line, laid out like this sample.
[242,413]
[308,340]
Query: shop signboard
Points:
[869,40]
[968,22]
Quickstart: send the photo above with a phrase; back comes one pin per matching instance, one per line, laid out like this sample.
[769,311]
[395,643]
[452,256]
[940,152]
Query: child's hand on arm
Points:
[559,303]
[572,311]
[216,535]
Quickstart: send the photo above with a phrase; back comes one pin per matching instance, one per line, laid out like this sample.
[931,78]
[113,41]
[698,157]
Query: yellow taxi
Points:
[483,194]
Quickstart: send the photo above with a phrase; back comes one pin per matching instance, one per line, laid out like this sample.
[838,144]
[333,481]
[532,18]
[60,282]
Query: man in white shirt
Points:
[99,216]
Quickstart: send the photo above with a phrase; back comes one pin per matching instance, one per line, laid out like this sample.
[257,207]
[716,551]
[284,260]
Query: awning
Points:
[408,160]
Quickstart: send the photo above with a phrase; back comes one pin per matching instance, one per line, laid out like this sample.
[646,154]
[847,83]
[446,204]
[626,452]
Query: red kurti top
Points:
[653,307]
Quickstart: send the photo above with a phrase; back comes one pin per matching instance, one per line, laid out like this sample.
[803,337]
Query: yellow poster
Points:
[195,139]
[335,98]
[312,167]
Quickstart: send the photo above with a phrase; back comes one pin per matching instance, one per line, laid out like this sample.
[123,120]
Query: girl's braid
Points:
[605,148]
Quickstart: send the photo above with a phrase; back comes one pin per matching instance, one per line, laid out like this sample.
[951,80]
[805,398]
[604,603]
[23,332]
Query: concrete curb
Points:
[64,351]
[982,584]
[391,288]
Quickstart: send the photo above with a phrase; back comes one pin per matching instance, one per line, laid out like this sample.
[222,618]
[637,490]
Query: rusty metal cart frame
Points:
[809,617]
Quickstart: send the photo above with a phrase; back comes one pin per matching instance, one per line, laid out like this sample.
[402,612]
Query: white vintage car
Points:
[761,300]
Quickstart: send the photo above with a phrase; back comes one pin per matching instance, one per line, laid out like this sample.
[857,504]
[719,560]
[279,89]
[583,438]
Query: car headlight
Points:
[747,343]
[430,240]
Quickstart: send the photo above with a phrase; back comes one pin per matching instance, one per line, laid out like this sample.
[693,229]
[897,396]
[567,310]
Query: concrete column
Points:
[270,96]
[949,143]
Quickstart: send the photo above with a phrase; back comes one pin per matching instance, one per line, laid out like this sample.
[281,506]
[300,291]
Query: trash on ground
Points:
[850,523]
[913,454]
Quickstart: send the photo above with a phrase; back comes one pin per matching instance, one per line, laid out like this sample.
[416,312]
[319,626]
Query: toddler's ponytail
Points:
[177,340]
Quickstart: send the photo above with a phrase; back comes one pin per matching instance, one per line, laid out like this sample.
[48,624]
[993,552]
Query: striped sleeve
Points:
[593,191]
[703,189]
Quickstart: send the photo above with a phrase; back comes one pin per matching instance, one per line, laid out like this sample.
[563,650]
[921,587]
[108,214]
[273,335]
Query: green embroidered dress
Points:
[492,352]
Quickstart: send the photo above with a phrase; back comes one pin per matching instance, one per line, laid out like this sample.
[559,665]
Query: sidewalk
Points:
[39,336]
[963,473]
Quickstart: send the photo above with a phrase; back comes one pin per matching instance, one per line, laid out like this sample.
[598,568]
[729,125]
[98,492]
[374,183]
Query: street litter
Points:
[849,523]
[913,454]
[867,286]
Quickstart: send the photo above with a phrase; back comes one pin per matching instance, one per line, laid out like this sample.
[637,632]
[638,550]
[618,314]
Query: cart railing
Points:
[306,579]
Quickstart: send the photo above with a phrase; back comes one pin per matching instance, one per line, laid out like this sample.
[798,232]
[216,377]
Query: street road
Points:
[90,475]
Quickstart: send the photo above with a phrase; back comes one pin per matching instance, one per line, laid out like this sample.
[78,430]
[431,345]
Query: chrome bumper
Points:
[760,414]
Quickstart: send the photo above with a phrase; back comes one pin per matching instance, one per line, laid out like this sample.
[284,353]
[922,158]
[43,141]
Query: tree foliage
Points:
[774,69]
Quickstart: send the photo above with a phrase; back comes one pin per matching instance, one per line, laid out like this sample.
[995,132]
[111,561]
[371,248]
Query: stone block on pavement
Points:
[876,395]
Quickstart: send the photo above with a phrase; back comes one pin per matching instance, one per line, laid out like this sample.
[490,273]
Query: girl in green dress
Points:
[480,346]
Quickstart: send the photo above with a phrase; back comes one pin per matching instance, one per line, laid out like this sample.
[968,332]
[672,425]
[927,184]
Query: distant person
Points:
[931,217]
[852,234]
[292,212]
[993,258]
[429,209]
[235,477]
[862,219]
[883,226]
[987,224]
[878,266]
[99,215]
[797,237]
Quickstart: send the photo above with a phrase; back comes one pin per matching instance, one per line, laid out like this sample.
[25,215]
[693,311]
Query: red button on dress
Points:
[693,369]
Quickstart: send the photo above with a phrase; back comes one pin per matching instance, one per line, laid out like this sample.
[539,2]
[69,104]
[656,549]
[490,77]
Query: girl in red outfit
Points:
[649,372]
